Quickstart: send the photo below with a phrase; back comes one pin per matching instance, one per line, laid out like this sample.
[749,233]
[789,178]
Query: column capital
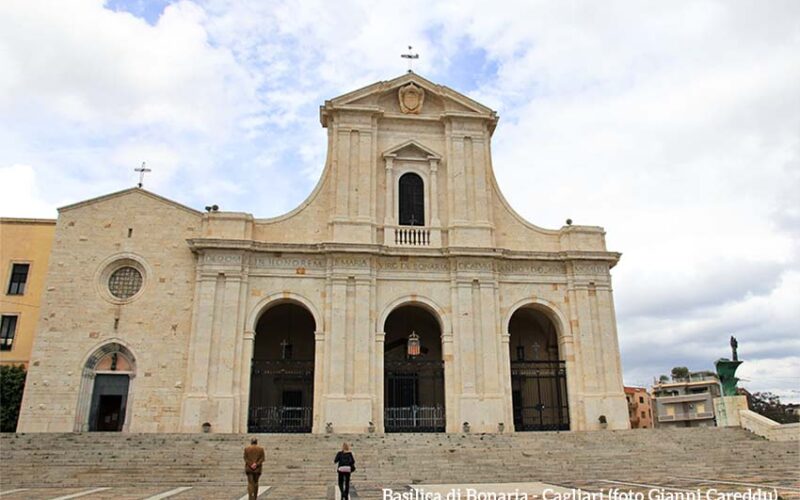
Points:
[319,336]
[249,335]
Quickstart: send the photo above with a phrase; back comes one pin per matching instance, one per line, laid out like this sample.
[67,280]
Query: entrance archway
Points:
[538,375]
[104,398]
[414,396]
[282,371]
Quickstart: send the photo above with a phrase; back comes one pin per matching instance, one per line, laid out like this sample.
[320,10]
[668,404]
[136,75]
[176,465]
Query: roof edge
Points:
[128,191]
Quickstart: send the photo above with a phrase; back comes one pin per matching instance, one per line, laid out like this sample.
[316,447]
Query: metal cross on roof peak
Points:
[142,170]
[410,56]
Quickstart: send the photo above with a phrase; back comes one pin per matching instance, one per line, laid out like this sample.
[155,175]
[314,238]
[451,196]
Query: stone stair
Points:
[300,466]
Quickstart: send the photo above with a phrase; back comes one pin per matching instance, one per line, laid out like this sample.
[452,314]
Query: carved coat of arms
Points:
[411,99]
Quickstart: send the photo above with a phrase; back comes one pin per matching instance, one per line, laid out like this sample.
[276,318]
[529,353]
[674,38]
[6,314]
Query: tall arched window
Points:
[412,200]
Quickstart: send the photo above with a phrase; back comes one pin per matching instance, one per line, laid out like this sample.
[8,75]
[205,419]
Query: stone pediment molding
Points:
[413,151]
[135,191]
[368,99]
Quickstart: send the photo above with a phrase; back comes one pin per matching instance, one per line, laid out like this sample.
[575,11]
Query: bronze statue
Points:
[726,370]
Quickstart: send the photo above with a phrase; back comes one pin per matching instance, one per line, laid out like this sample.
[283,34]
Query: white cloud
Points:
[20,196]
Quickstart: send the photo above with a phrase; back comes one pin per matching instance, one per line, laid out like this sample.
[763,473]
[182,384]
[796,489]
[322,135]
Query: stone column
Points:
[434,193]
[377,413]
[452,387]
[246,368]
[318,422]
[388,219]
[505,381]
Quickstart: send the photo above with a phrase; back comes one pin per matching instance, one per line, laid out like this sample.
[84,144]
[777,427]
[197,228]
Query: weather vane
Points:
[142,170]
[410,57]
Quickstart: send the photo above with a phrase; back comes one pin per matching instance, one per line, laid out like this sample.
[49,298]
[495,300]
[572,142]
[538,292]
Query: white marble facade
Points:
[344,258]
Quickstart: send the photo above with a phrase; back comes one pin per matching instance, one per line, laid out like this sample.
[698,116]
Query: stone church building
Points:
[403,295]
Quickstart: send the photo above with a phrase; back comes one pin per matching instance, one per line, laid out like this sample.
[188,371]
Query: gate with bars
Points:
[414,396]
[281,396]
[539,395]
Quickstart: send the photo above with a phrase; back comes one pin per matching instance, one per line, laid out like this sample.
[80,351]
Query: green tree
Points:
[12,383]
[770,406]
[680,372]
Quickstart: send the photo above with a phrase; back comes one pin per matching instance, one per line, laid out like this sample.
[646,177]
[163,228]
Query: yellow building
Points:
[24,251]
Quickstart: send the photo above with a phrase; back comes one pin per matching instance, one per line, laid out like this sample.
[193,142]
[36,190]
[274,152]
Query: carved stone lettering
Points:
[350,262]
[289,262]
[590,268]
[414,265]
[475,265]
[222,258]
[537,268]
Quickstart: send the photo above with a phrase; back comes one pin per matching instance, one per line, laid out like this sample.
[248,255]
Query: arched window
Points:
[412,200]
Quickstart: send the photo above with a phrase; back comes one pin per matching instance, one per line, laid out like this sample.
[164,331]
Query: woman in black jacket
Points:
[346,464]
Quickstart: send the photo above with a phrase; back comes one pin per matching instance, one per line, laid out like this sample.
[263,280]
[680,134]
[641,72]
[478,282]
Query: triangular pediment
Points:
[412,150]
[129,192]
[385,97]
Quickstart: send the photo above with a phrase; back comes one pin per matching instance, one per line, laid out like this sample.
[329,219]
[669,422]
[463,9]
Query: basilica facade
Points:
[403,295]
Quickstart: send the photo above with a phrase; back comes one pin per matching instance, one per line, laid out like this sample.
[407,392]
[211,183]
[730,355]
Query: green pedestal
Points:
[726,371]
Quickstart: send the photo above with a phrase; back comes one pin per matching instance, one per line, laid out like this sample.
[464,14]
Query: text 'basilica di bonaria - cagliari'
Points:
[404,295]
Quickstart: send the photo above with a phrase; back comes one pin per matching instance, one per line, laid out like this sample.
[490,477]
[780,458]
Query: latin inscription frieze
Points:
[538,268]
[264,262]
[589,268]
[222,258]
[351,262]
[413,265]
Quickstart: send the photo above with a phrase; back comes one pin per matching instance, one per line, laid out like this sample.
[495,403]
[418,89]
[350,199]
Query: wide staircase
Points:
[301,467]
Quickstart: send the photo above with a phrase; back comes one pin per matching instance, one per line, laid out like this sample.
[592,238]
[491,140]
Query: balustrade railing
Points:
[412,236]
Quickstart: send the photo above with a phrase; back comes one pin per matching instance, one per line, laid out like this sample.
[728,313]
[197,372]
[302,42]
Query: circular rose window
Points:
[125,282]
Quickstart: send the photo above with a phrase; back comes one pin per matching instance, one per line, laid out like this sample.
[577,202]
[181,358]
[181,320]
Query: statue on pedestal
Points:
[726,370]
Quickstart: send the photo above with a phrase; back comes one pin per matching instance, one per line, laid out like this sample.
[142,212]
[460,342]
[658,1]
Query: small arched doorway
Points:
[108,371]
[282,371]
[538,375]
[413,372]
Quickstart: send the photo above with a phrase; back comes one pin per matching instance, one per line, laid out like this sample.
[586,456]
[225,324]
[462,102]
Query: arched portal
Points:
[282,371]
[414,396]
[104,398]
[538,375]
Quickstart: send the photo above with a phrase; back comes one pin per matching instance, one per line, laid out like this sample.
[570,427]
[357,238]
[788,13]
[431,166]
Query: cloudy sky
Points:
[675,125]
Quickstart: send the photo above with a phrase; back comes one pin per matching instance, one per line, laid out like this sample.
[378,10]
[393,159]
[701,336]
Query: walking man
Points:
[253,458]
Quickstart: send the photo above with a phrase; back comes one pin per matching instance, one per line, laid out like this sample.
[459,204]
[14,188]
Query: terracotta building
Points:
[640,409]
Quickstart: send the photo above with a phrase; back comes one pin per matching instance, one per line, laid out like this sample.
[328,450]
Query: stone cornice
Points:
[201,244]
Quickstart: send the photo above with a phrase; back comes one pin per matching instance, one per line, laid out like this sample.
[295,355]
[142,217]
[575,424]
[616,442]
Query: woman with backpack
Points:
[345,465]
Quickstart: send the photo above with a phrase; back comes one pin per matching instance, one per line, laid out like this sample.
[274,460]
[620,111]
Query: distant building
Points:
[793,409]
[640,409]
[24,252]
[686,402]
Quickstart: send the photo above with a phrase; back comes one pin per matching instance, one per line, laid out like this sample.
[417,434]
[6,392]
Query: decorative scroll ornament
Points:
[411,99]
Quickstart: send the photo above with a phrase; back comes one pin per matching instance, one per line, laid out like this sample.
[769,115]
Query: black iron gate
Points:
[281,396]
[539,395]
[414,396]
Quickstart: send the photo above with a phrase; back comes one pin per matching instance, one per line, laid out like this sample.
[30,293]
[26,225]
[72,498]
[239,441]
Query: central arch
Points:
[282,370]
[414,393]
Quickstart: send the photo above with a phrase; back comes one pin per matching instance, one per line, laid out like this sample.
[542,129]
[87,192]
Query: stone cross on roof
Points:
[410,57]
[142,170]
